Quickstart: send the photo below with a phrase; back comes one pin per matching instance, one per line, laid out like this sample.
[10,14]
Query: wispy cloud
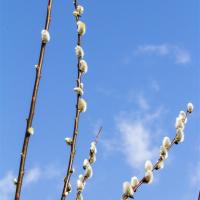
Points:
[137,143]
[137,134]
[195,176]
[32,176]
[143,102]
[6,186]
[180,55]
[139,99]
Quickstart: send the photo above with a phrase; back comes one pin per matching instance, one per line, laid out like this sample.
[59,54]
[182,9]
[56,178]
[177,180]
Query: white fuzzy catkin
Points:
[80,9]
[148,166]
[190,107]
[160,165]
[166,142]
[82,86]
[80,185]
[31,130]
[78,90]
[85,163]
[69,188]
[82,105]
[179,136]
[15,181]
[81,177]
[182,116]
[148,177]
[79,196]
[127,189]
[93,158]
[93,149]
[83,66]
[88,171]
[68,141]
[81,28]
[79,51]
[45,36]
[66,193]
[134,181]
[163,153]
[179,123]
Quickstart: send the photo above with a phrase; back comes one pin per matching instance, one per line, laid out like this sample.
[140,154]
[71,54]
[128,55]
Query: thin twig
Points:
[142,181]
[32,108]
[90,161]
[76,123]
[98,135]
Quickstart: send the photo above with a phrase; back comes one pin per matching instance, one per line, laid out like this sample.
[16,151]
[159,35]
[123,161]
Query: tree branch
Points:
[81,182]
[32,107]
[155,166]
[66,186]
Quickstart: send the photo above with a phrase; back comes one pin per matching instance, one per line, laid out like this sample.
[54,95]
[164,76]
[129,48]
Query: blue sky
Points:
[143,61]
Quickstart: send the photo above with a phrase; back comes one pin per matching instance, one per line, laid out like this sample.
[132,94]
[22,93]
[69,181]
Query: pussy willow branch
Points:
[96,141]
[32,107]
[76,122]
[154,166]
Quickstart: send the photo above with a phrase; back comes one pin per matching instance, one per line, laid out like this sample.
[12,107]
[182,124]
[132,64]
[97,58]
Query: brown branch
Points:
[90,161]
[98,135]
[32,108]
[76,123]
[142,181]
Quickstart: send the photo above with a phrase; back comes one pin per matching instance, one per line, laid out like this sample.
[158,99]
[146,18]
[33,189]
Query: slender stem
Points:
[98,135]
[32,108]
[85,178]
[142,181]
[76,123]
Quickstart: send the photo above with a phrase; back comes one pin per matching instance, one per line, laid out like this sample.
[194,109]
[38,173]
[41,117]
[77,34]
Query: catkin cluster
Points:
[87,166]
[129,188]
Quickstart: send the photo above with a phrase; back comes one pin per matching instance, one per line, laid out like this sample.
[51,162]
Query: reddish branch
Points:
[142,181]
[76,122]
[32,108]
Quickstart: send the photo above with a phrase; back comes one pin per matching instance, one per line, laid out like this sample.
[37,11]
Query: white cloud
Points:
[6,186]
[36,174]
[33,175]
[180,55]
[138,98]
[162,49]
[137,144]
[143,103]
[136,138]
